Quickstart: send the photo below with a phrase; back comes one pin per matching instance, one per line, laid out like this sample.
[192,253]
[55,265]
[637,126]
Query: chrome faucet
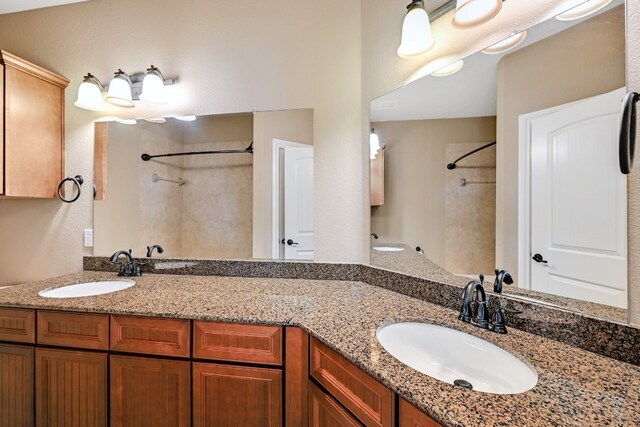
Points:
[128,268]
[474,294]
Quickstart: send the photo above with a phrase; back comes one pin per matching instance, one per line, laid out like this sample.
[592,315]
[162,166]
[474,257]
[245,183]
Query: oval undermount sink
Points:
[87,289]
[388,248]
[457,358]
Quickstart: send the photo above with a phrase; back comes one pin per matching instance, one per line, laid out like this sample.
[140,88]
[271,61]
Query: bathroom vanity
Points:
[275,352]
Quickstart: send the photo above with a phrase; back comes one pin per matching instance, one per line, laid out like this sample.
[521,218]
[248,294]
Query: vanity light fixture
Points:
[153,89]
[185,118]
[582,10]
[374,144]
[416,31]
[90,94]
[120,90]
[117,119]
[449,69]
[507,44]
[471,13]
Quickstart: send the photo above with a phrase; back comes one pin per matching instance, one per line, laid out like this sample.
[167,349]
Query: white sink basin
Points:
[449,355]
[388,248]
[87,289]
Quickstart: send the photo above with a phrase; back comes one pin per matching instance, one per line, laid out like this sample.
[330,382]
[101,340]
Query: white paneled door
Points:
[578,242]
[298,203]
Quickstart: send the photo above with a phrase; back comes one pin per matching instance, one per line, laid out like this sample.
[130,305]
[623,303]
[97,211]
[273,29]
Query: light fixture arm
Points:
[90,78]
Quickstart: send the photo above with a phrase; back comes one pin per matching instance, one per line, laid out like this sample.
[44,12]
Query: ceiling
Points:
[12,6]
[472,92]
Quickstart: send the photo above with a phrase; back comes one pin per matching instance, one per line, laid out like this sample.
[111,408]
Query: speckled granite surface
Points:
[608,337]
[575,387]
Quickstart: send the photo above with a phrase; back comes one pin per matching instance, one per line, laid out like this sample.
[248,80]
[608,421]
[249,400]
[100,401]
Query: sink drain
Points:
[464,384]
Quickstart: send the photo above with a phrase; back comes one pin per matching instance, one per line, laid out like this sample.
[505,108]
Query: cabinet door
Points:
[324,411]
[16,386]
[148,392]
[410,416]
[230,396]
[71,388]
[34,129]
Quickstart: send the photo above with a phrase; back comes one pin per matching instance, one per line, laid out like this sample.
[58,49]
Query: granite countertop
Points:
[575,387]
[414,264]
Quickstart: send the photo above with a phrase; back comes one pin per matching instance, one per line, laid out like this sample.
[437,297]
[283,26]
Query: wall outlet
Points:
[88,238]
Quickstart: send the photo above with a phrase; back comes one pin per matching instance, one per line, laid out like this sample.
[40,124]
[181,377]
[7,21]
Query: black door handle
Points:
[539,259]
[627,142]
[292,243]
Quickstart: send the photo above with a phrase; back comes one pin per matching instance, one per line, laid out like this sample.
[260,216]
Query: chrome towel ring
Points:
[77,181]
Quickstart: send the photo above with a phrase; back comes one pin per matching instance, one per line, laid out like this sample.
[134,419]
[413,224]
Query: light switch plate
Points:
[88,238]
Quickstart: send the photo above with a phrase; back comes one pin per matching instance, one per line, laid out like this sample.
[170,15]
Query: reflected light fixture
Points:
[471,13]
[185,118]
[120,90]
[158,120]
[153,90]
[507,44]
[90,94]
[374,144]
[416,31]
[449,69]
[117,119]
[582,10]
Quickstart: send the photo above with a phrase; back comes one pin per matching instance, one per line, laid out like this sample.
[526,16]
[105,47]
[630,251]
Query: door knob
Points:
[539,259]
[292,243]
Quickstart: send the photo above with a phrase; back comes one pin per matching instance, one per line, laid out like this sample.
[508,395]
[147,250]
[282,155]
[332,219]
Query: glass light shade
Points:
[153,90]
[416,33]
[583,10]
[156,120]
[374,144]
[185,118]
[117,119]
[506,44]
[471,13]
[120,92]
[449,69]
[90,95]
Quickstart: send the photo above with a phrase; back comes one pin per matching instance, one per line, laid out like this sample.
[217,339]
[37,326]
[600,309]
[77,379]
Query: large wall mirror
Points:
[234,186]
[512,163]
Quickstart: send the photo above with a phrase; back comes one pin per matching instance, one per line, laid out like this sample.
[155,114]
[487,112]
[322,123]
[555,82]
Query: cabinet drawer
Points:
[161,337]
[78,330]
[365,397]
[410,416]
[324,411]
[238,343]
[17,325]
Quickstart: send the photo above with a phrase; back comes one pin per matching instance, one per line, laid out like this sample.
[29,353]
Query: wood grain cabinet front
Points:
[78,330]
[361,394]
[16,386]
[149,392]
[410,416]
[71,388]
[237,343]
[160,337]
[33,129]
[226,395]
[324,411]
[17,325]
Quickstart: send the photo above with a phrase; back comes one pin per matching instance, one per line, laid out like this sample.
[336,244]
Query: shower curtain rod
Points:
[451,166]
[249,150]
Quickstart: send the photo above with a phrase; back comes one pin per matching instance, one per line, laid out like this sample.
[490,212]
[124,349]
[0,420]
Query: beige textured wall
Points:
[227,57]
[633,83]
[592,61]
[470,210]
[415,179]
[293,125]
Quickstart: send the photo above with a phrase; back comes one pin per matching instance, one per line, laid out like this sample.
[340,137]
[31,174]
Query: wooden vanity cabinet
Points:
[33,147]
[410,416]
[324,411]
[16,385]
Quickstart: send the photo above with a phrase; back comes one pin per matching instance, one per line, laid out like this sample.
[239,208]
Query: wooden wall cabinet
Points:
[33,146]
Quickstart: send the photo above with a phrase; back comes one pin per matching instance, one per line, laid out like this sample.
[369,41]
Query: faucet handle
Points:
[481,278]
